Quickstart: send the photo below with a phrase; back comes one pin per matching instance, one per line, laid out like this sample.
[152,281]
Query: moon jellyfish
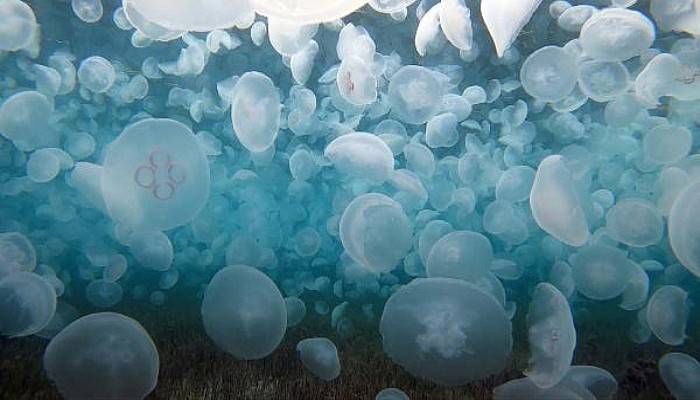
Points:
[391,394]
[525,388]
[356,82]
[636,292]
[64,315]
[598,381]
[555,203]
[603,80]
[361,155]
[684,228]
[288,37]
[296,310]
[155,176]
[193,15]
[666,75]
[390,6]
[551,334]
[103,293]
[320,356]
[601,272]
[24,119]
[146,27]
[616,34]
[505,19]
[18,25]
[428,29]
[43,166]
[460,254]
[103,356]
[307,12]
[256,111]
[681,375]
[676,15]
[549,74]
[89,11]
[97,74]
[243,312]
[152,249]
[441,131]
[667,144]
[27,304]
[635,222]
[456,24]
[446,331]
[667,314]
[515,184]
[16,254]
[415,94]
[375,232]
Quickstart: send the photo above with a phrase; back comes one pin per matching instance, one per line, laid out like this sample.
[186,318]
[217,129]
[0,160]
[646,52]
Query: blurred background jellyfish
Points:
[27,304]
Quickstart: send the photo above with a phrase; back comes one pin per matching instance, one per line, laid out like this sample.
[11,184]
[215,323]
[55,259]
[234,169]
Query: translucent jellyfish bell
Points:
[525,388]
[16,254]
[681,375]
[684,228]
[152,249]
[27,304]
[96,74]
[415,94]
[505,19]
[356,82]
[446,330]
[375,232]
[552,336]
[361,155]
[616,34]
[89,11]
[549,74]
[243,312]
[390,6]
[155,176]
[307,12]
[391,394]
[601,383]
[462,255]
[256,111]
[18,25]
[320,356]
[24,119]
[193,15]
[603,80]
[601,272]
[667,314]
[635,222]
[103,356]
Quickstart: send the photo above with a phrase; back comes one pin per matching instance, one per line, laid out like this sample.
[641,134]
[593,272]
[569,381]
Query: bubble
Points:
[667,314]
[19,25]
[616,34]
[103,355]
[549,74]
[679,373]
[243,312]
[27,304]
[361,155]
[415,94]
[255,111]
[320,356]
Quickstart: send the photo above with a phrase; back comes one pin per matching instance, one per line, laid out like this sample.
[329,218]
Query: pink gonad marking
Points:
[351,84]
[160,175]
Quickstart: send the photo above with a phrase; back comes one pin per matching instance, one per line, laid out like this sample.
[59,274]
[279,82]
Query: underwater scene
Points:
[349,199]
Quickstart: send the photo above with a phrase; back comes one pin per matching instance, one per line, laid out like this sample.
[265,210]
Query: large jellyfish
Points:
[684,228]
[64,315]
[362,155]
[667,314]
[414,93]
[375,232]
[320,356]
[601,272]
[27,304]
[18,25]
[462,255]
[24,119]
[552,336]
[549,74]
[505,19]
[255,111]
[446,330]
[307,12]
[193,15]
[681,375]
[616,34]
[103,356]
[16,253]
[155,176]
[243,312]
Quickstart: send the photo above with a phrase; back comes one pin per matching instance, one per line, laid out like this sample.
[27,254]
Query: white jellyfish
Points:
[681,375]
[155,176]
[456,24]
[676,15]
[356,82]
[104,355]
[288,37]
[573,18]
[19,25]
[525,388]
[684,228]
[255,111]
[636,292]
[64,315]
[391,394]
[16,254]
[603,80]
[193,15]
[258,33]
[302,62]
[601,272]
[148,28]
[428,29]
[97,74]
[27,304]
[446,330]
[24,119]
[89,11]
[390,6]
[601,383]
[307,12]
[375,232]
[414,93]
[505,19]
[152,249]
[551,334]
[460,254]
[243,312]
[616,34]
[666,75]
[361,155]
[441,131]
[320,357]
[296,310]
[555,203]
[667,143]
[667,314]
[635,222]
[515,184]
[355,41]
[43,166]
[549,74]
[103,293]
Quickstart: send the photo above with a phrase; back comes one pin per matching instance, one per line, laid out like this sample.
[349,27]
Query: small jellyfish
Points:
[515,184]
[573,18]
[684,228]
[390,6]
[89,11]
[667,314]
[505,19]
[635,222]
[16,254]
[102,293]
[320,356]
[103,356]
[18,25]
[243,312]
[24,119]
[375,232]
[637,290]
[555,203]
[256,111]
[193,15]
[258,33]
[152,249]
[456,24]
[601,383]
[355,41]
[603,80]
[96,74]
[551,334]
[356,82]
[616,34]
[525,388]
[549,74]
[361,155]
[64,315]
[391,394]
[441,131]
[681,375]
[601,272]
[27,304]
[462,255]
[296,310]
[445,330]
[667,143]
[155,176]
[415,94]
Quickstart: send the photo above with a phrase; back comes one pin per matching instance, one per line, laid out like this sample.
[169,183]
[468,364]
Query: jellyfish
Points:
[445,330]
[636,292]
[288,37]
[16,254]
[684,228]
[320,357]
[27,304]
[103,356]
[307,242]
[666,75]
[96,74]
[635,222]
[64,315]
[24,119]
[460,254]
[155,176]
[667,143]
[515,184]
[102,293]
[356,82]
[307,12]
[552,336]
[390,6]
[146,27]
[89,11]
[676,15]
[525,388]
[391,394]
[603,80]
[598,381]
[573,18]
[256,111]
[375,232]
[428,29]
[681,375]
[616,34]
[441,131]
[415,94]
[258,33]
[302,62]
[456,24]
[19,25]
[243,312]
[549,74]
[193,15]
[296,310]
[43,166]
[601,272]
[667,314]
[505,19]
[355,41]
[152,249]
[555,203]
[361,155]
